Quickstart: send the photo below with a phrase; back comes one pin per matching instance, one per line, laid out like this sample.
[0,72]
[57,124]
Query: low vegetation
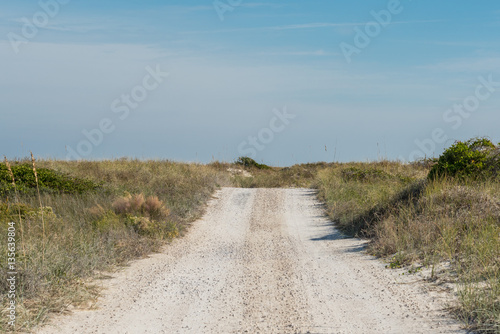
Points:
[358,195]
[249,162]
[427,214]
[263,176]
[477,158]
[93,216]
[49,181]
[90,217]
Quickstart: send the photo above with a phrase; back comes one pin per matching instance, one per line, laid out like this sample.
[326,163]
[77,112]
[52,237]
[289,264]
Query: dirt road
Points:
[261,261]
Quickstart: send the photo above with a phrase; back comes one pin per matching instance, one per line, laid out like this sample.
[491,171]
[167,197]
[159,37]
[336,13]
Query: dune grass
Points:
[296,176]
[417,221]
[90,217]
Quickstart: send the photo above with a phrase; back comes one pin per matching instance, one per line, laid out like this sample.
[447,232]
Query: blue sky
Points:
[228,79]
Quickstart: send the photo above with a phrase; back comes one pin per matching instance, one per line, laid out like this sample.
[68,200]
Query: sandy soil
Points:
[262,261]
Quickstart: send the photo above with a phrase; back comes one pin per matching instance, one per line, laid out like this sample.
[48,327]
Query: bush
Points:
[475,158]
[148,227]
[249,162]
[49,181]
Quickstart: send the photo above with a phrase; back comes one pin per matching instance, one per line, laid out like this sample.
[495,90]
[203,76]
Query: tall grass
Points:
[296,176]
[414,221]
[70,236]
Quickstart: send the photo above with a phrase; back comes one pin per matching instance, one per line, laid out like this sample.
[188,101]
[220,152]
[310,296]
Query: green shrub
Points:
[249,162]
[49,181]
[475,158]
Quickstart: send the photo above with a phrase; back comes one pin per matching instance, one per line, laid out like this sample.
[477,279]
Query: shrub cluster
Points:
[249,162]
[12,211]
[49,181]
[477,158]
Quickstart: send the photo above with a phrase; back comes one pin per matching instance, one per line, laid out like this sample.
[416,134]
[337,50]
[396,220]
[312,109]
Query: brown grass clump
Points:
[153,203]
[146,216]
[137,202]
[121,205]
[96,211]
[138,205]
[155,207]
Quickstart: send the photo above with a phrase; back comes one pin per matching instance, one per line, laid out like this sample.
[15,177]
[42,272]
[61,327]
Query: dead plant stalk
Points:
[41,206]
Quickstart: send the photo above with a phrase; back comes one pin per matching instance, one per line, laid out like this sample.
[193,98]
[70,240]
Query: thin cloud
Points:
[317,53]
[188,8]
[314,25]
[261,4]
[475,65]
[450,43]
[78,25]
[284,27]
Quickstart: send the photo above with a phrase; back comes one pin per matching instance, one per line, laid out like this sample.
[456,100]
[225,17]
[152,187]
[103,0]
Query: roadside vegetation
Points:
[439,212]
[263,176]
[76,220]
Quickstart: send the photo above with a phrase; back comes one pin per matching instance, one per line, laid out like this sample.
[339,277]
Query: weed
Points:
[397,261]
[364,175]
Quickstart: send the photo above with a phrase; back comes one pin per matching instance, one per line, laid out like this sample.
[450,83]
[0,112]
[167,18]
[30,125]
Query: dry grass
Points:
[357,194]
[303,175]
[68,237]
[413,221]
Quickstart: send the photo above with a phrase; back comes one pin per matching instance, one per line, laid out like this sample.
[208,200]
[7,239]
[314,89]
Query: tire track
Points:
[274,301]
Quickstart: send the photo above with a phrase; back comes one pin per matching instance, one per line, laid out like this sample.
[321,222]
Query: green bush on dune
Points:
[249,162]
[477,158]
[48,180]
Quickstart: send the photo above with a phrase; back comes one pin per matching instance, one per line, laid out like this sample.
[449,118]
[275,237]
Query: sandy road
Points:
[261,261]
